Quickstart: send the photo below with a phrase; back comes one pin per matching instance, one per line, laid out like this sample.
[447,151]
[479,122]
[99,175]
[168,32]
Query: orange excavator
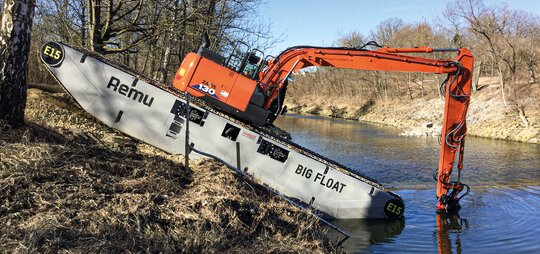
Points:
[253,88]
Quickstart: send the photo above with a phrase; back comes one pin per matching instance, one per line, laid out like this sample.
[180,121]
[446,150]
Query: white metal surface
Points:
[114,97]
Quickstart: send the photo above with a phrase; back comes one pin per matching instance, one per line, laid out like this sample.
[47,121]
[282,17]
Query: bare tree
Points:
[15,32]
[152,36]
[108,21]
[506,33]
[385,33]
[352,40]
[170,41]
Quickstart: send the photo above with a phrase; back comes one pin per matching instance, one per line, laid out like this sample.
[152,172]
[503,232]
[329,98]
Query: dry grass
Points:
[487,115]
[69,184]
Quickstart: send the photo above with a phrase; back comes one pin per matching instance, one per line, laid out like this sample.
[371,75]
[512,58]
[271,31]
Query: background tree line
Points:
[151,36]
[505,43]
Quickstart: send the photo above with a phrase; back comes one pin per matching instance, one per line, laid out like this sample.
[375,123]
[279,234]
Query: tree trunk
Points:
[171,40]
[439,87]
[476,76]
[95,40]
[181,46]
[501,82]
[15,34]
[421,83]
[532,71]
[522,116]
[409,91]
[83,20]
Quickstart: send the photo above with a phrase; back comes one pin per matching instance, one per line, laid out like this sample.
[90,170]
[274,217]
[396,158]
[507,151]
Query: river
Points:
[501,213]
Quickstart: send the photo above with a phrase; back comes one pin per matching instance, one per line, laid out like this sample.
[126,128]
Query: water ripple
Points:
[501,219]
[500,214]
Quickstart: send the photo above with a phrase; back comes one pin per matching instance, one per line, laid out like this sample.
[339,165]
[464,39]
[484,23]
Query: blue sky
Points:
[322,22]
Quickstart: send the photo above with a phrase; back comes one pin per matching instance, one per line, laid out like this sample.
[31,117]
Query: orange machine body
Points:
[202,77]
[238,94]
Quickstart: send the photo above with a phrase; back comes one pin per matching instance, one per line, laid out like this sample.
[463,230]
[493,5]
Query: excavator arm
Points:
[208,76]
[457,89]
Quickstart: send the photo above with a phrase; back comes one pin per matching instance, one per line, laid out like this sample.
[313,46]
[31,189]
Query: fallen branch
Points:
[47,87]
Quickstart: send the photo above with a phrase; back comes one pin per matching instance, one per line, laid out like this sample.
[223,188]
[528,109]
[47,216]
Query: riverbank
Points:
[487,116]
[71,184]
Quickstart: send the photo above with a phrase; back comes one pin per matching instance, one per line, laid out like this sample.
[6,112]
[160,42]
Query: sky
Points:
[322,22]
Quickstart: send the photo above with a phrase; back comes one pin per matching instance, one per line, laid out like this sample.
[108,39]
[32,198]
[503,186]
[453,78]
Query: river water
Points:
[500,214]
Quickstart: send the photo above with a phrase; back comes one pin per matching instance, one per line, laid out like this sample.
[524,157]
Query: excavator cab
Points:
[235,53]
[230,83]
[253,63]
[246,61]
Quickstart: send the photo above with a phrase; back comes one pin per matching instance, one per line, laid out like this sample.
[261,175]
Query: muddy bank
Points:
[70,184]
[487,116]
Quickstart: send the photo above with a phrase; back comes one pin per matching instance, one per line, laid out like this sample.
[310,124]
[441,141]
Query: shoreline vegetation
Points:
[503,40]
[71,184]
[487,116]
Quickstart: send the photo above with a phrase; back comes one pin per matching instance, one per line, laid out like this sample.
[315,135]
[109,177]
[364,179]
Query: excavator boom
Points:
[384,59]
[457,91]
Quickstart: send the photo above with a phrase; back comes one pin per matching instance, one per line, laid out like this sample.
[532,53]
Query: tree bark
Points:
[15,32]
[83,19]
[409,91]
[171,40]
[476,75]
[522,116]
[95,42]
[501,83]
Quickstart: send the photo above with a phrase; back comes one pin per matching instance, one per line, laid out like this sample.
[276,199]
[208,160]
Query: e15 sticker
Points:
[52,54]
[394,209]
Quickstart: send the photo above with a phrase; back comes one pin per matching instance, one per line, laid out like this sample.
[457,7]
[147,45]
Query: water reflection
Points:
[501,212]
[364,233]
[408,162]
[450,225]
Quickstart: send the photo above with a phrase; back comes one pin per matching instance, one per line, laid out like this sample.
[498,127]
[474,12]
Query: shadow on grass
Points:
[69,184]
